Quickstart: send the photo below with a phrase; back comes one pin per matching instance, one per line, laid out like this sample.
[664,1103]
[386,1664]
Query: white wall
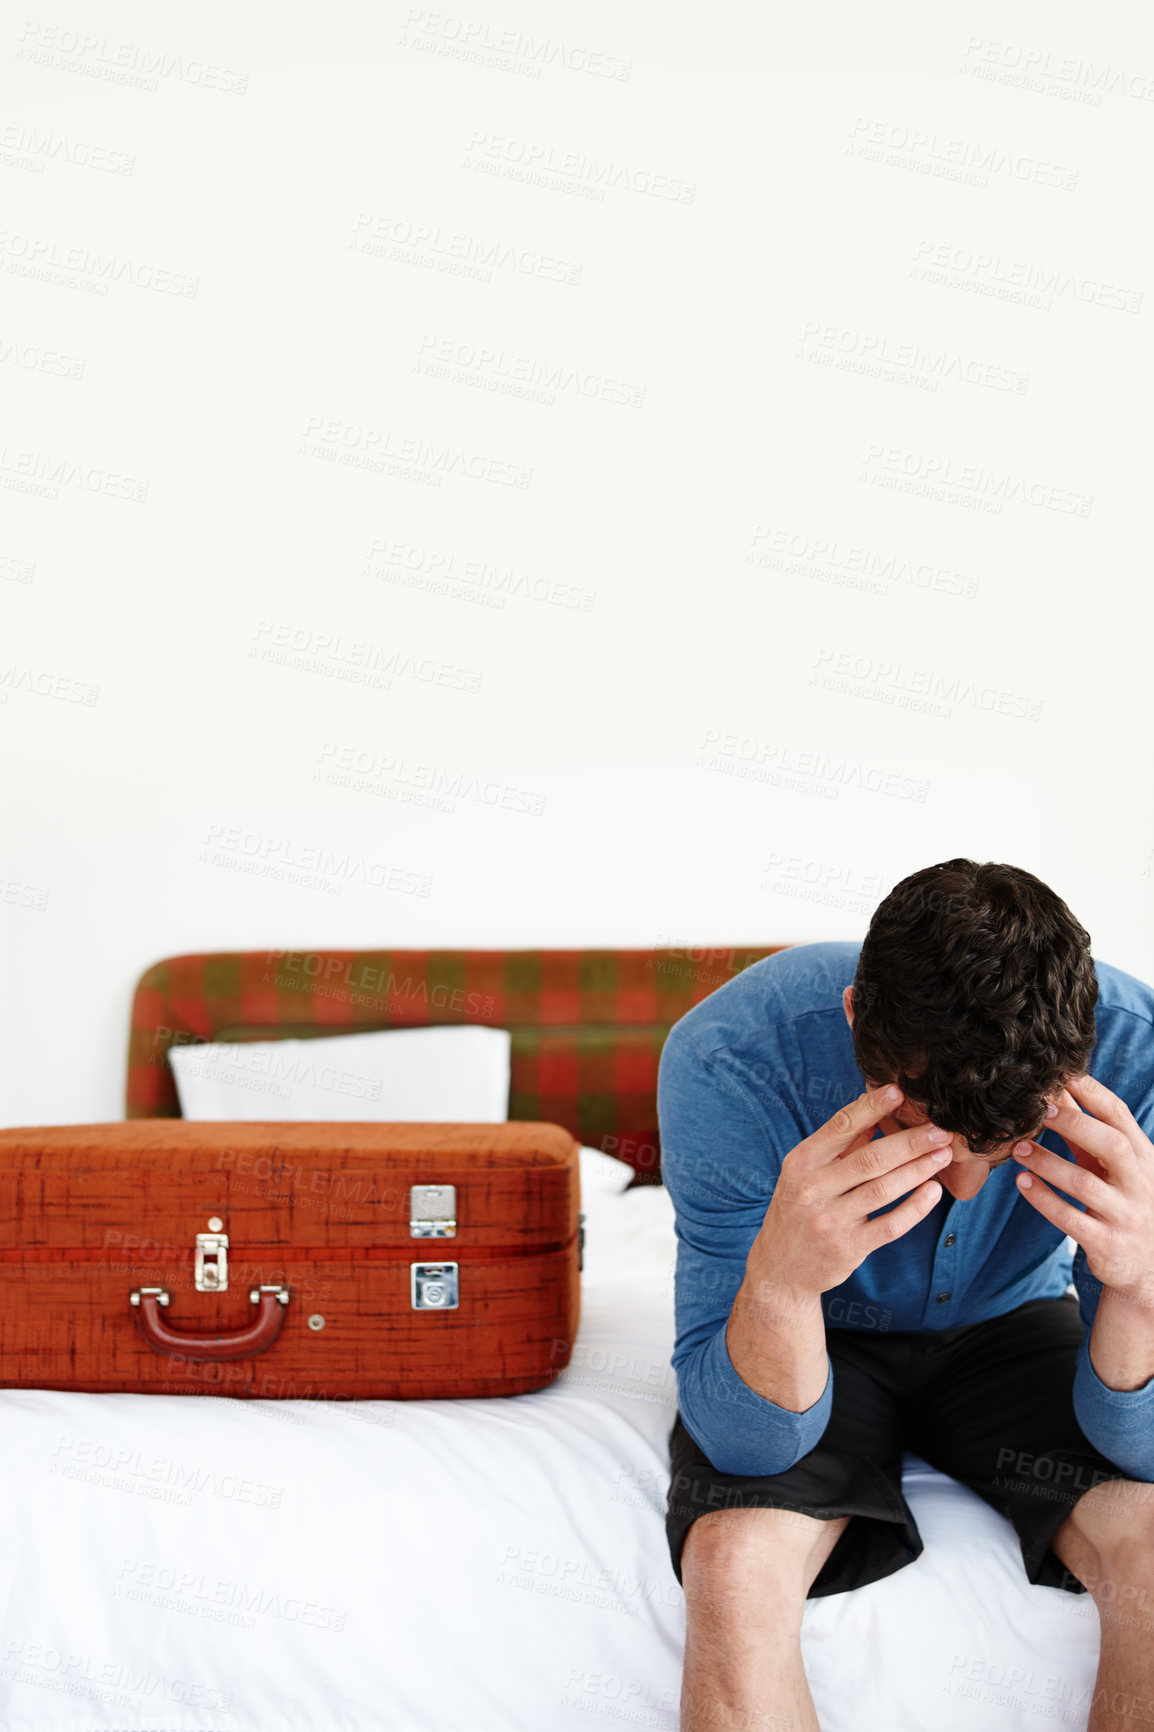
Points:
[755,343]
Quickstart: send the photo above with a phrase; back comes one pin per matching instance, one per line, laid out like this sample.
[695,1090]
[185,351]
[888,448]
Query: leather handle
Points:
[256,1337]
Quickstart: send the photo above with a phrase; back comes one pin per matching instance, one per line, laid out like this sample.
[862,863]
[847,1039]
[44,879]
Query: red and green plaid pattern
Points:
[587,1025]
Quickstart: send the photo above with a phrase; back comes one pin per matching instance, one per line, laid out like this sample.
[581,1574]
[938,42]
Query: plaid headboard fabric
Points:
[587,1025]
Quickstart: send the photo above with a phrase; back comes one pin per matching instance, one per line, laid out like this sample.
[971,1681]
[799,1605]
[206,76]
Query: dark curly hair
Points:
[975,992]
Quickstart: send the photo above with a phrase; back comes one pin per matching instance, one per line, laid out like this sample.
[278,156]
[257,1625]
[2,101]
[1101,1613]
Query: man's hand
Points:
[1113,1177]
[816,1231]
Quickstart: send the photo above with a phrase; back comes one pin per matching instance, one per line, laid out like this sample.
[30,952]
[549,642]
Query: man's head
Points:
[974,993]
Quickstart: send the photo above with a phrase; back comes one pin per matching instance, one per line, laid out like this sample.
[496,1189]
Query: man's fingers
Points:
[874,1194]
[897,1153]
[1101,1101]
[1106,1131]
[844,1152]
[1079,1226]
[843,1131]
[886,1228]
[1098,1194]
[859,1142]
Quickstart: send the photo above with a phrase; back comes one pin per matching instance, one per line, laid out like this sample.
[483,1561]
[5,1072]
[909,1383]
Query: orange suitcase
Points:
[289,1260]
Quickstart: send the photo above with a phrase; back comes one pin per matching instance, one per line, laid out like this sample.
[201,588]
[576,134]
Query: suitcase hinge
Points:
[432,1211]
[210,1271]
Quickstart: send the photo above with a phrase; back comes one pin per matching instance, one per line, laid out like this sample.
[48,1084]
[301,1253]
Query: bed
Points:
[177,1565]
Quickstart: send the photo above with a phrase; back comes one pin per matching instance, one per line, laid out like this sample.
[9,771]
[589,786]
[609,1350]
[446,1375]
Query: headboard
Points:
[587,1025]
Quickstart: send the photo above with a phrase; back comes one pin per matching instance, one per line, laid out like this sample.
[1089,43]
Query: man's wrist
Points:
[1137,1298]
[765,1295]
[775,1339]
[1121,1344]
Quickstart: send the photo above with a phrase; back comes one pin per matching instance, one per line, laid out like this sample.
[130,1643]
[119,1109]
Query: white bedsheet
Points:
[204,1565]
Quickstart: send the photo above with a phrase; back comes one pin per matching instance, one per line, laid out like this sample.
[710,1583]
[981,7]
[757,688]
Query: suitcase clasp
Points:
[210,1271]
[432,1211]
[434,1286]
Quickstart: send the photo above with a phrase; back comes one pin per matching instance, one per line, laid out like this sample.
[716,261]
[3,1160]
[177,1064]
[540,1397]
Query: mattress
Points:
[197,1565]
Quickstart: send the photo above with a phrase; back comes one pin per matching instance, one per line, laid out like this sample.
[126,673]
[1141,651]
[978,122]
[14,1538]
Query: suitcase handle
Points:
[255,1337]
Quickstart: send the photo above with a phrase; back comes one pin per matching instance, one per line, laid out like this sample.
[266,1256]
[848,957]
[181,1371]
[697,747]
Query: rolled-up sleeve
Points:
[721,1153]
[1119,1422]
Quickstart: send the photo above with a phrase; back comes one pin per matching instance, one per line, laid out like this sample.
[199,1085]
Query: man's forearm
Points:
[1122,1340]
[776,1339]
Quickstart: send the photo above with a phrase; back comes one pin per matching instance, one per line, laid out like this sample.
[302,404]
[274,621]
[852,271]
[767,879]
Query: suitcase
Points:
[289,1260]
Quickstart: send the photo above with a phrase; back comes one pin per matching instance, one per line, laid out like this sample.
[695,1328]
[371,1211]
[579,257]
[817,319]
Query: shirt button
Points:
[942,1297]
[949,1239]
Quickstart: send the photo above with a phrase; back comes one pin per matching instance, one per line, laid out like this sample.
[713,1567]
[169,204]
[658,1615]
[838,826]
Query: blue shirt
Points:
[762,1063]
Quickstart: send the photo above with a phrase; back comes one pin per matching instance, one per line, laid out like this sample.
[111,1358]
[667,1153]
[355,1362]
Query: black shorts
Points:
[990,1404]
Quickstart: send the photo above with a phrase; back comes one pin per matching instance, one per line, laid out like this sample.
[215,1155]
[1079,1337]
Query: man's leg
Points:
[746,1574]
[999,1416]
[1107,1543]
[749,1551]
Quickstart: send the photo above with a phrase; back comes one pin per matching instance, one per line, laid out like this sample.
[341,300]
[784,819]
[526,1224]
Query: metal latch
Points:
[210,1271]
[434,1286]
[432,1212]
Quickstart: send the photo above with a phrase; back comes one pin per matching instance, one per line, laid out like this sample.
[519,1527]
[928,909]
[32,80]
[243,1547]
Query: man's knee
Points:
[1109,1535]
[726,1550]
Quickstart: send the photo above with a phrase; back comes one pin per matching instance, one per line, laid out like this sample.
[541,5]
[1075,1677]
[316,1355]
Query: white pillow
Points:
[603,1175]
[391,1075]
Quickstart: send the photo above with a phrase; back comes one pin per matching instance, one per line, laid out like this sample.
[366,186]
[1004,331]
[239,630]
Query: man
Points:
[859,1273]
